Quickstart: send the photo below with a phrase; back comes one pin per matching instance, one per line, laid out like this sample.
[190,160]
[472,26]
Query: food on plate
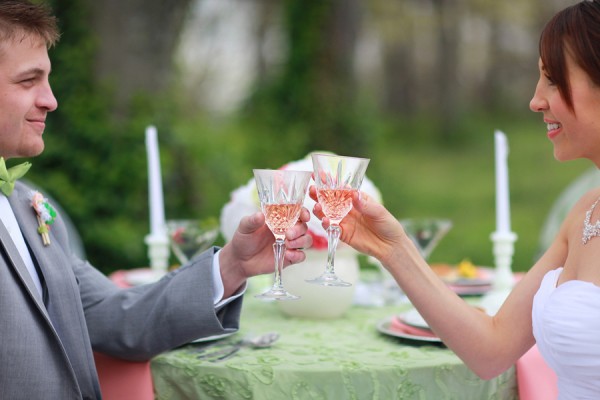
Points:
[462,272]
[466,269]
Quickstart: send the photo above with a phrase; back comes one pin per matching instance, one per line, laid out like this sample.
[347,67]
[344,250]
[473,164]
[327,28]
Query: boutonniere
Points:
[46,215]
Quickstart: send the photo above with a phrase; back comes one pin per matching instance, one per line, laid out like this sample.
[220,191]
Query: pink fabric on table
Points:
[120,379]
[536,381]
[466,290]
[120,278]
[399,326]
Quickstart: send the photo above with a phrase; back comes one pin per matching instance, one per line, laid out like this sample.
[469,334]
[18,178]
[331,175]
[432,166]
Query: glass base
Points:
[277,294]
[329,279]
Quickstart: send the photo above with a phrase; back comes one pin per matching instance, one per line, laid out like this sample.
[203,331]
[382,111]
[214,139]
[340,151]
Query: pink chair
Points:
[120,379]
[536,381]
[124,380]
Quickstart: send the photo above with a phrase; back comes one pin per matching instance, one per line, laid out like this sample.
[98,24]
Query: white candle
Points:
[502,197]
[155,191]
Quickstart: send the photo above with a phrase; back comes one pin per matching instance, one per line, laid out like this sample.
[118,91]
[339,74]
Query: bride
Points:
[557,303]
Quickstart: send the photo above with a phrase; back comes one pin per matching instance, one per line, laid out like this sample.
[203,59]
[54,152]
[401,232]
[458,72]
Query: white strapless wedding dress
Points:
[566,326]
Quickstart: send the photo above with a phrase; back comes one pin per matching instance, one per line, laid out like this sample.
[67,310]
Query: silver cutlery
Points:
[228,350]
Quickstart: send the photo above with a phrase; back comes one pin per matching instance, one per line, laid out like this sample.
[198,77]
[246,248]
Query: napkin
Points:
[400,326]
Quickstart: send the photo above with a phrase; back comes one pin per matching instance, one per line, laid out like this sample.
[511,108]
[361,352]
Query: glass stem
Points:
[333,237]
[279,251]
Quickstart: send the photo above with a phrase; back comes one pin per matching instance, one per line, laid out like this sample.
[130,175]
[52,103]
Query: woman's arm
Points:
[488,345]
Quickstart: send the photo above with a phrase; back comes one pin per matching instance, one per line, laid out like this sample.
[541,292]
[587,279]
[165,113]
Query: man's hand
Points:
[250,251]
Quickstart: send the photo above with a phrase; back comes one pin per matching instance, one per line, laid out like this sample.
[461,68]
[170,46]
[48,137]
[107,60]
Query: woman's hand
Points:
[369,227]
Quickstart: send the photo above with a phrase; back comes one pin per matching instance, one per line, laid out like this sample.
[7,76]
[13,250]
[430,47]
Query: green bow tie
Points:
[10,175]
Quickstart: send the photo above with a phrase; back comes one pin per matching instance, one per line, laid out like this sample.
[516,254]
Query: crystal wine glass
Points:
[337,178]
[189,237]
[281,194]
[426,232]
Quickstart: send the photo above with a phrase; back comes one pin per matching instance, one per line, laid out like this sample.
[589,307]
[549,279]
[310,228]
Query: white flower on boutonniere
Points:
[46,214]
[244,201]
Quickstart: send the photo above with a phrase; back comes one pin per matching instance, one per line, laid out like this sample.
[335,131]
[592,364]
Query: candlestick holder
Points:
[158,253]
[503,281]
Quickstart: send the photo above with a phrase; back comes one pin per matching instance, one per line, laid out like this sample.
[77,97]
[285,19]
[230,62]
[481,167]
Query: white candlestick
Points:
[502,197]
[503,238]
[157,240]
[155,192]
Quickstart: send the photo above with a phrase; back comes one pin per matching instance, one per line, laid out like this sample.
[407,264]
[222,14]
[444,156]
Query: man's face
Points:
[25,96]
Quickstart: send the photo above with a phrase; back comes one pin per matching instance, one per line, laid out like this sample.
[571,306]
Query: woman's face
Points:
[574,133]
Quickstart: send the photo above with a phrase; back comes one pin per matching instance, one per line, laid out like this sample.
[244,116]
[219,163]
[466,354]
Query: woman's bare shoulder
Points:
[583,205]
[570,230]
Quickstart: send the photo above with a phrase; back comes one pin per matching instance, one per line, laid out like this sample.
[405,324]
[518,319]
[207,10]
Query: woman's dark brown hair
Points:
[576,31]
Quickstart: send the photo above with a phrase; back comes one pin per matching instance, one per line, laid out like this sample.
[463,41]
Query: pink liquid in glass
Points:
[336,203]
[281,217]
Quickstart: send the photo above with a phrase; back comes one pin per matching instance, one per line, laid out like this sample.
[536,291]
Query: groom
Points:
[55,308]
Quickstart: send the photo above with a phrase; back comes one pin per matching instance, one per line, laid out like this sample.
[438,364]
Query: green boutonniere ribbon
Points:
[10,175]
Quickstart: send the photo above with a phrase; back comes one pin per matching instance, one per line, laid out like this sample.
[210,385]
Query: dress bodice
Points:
[566,326]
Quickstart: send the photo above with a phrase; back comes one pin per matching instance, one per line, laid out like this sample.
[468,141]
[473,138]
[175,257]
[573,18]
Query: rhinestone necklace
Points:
[589,230]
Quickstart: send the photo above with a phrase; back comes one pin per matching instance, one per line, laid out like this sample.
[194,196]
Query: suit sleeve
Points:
[143,321]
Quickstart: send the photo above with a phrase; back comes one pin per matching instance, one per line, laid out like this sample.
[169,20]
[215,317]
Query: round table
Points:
[343,358]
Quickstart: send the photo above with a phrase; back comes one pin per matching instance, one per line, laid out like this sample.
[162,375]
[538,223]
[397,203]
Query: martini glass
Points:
[281,194]
[426,232]
[190,237]
[337,178]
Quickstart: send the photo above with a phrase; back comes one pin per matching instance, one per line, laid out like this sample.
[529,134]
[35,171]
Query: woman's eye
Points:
[549,79]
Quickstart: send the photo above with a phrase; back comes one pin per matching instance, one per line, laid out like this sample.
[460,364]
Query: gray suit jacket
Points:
[46,341]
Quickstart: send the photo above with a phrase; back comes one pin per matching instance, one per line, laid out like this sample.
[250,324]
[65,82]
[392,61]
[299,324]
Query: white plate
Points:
[384,326]
[213,337]
[413,318]
[470,282]
[142,276]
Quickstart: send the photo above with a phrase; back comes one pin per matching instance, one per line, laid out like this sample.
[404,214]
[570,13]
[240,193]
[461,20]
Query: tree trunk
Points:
[395,24]
[136,40]
[448,22]
[334,88]
[268,9]
[316,87]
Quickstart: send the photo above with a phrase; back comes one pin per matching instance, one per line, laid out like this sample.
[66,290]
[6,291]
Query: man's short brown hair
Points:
[21,18]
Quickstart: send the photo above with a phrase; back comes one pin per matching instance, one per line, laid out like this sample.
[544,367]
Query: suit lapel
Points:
[17,262]
[25,214]
[60,283]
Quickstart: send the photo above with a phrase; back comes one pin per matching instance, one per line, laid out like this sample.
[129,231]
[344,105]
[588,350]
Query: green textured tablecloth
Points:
[344,358]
